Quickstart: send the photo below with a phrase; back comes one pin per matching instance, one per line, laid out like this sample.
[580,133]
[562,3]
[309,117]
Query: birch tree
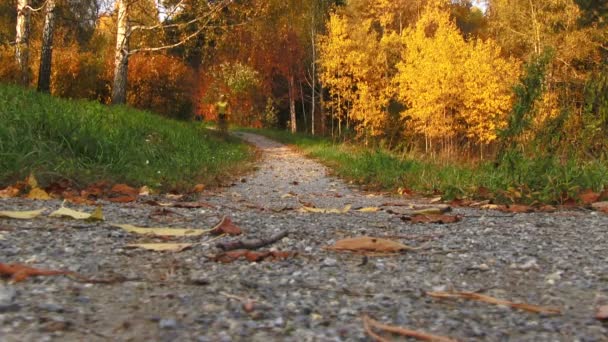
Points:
[125,29]
[22,40]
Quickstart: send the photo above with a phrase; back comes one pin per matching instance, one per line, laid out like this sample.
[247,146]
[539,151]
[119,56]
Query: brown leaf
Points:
[124,189]
[443,219]
[59,187]
[602,313]
[73,197]
[19,272]
[600,206]
[226,227]
[588,196]
[516,208]
[198,188]
[369,323]
[366,244]
[9,192]
[123,199]
[547,208]
[491,300]
[96,190]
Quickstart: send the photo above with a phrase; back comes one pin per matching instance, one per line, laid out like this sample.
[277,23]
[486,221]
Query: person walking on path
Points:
[222,114]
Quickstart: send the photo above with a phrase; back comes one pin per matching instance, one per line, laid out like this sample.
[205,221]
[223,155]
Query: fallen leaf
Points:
[226,227]
[96,215]
[122,199]
[144,191]
[162,247]
[326,210]
[442,219]
[365,244]
[588,196]
[547,208]
[600,206]
[9,192]
[162,231]
[22,215]
[435,200]
[516,208]
[602,313]
[38,194]
[368,209]
[124,189]
[174,197]
[31,181]
[491,300]
[198,188]
[19,272]
[251,256]
[369,323]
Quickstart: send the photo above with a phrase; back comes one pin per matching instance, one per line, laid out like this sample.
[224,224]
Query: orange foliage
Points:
[162,84]
[79,74]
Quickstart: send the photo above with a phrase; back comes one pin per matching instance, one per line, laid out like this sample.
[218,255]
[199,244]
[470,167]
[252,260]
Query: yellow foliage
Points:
[453,87]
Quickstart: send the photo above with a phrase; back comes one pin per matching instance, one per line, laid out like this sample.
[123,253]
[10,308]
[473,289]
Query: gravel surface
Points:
[556,260]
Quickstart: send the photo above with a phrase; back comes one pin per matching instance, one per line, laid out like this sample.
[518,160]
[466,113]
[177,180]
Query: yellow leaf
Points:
[22,215]
[162,231]
[78,215]
[38,194]
[162,247]
[369,209]
[31,181]
[326,210]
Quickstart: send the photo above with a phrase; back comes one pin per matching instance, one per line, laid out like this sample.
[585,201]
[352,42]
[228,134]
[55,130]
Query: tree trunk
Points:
[292,104]
[22,40]
[46,56]
[121,55]
[314,72]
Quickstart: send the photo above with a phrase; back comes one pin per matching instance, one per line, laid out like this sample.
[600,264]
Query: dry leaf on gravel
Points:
[369,323]
[226,227]
[307,209]
[198,188]
[516,208]
[600,206]
[442,219]
[367,244]
[22,215]
[96,215]
[144,191]
[602,313]
[368,209]
[19,272]
[9,192]
[491,300]
[162,247]
[162,231]
[251,256]
[38,194]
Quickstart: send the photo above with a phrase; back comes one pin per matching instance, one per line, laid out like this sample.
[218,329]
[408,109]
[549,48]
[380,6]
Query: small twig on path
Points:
[369,322]
[251,244]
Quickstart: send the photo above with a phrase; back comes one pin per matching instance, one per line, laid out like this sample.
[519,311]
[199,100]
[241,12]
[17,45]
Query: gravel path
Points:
[556,260]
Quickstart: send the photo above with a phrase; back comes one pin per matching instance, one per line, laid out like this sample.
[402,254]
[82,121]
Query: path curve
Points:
[556,260]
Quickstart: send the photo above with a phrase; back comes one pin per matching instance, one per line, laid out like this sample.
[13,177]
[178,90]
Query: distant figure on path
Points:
[222,114]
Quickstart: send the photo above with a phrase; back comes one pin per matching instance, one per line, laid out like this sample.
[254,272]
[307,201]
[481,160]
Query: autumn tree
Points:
[126,28]
[453,88]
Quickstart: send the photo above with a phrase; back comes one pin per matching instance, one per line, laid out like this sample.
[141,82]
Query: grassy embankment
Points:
[543,180]
[87,142]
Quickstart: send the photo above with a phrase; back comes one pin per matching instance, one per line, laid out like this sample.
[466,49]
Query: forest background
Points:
[504,81]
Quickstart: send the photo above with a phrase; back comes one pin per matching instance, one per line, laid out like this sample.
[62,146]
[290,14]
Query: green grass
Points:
[547,180]
[87,142]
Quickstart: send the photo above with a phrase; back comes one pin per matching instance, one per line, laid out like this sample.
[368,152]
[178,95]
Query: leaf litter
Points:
[371,245]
